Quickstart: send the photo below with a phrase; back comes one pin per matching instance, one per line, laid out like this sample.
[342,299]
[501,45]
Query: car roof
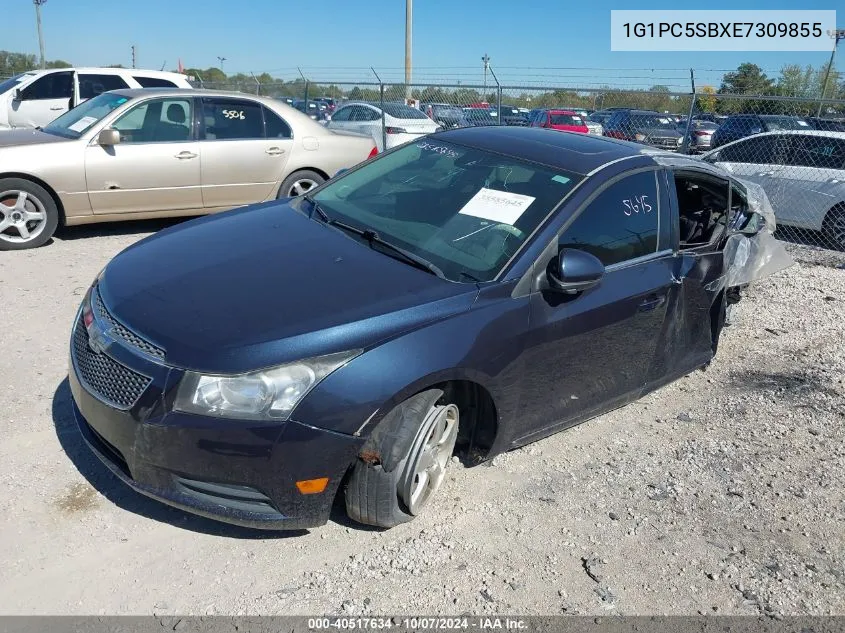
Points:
[181,92]
[562,111]
[572,152]
[107,71]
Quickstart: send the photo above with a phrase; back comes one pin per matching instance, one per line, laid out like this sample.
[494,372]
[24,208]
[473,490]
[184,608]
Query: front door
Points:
[156,165]
[243,158]
[45,99]
[590,352]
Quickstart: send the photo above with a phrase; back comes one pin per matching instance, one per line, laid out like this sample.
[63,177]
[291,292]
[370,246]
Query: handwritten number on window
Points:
[636,204]
[234,114]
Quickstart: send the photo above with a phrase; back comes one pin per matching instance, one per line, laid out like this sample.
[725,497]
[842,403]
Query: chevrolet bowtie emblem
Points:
[97,341]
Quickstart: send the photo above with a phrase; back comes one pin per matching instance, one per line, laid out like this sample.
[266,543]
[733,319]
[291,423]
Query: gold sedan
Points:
[135,154]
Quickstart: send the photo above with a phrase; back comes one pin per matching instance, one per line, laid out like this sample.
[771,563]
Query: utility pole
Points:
[38,4]
[133,56]
[486,60]
[409,18]
[838,34]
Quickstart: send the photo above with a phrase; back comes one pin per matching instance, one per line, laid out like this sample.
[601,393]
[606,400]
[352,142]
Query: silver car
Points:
[802,173]
[134,154]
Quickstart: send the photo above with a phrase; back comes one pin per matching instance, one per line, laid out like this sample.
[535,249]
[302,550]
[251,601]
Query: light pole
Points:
[838,34]
[221,60]
[38,4]
[409,19]
[486,60]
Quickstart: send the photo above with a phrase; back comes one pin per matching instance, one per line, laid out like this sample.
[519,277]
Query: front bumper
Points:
[235,471]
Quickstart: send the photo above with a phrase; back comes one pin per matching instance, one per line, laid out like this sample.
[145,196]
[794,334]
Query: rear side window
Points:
[154,82]
[566,119]
[621,223]
[93,85]
[342,114]
[821,152]
[231,119]
[276,126]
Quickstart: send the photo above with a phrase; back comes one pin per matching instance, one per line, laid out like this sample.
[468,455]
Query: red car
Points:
[565,120]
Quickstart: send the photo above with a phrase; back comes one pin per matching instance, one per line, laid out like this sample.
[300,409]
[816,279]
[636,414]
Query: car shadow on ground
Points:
[102,479]
[110,229]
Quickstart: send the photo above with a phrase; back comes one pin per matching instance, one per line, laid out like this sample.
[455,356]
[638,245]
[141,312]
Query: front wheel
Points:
[414,444]
[299,183]
[28,215]
[834,227]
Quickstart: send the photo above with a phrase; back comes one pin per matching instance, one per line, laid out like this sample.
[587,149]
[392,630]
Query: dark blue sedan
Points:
[472,291]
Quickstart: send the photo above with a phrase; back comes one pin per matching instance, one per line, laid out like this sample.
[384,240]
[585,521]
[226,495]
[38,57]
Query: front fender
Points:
[482,345]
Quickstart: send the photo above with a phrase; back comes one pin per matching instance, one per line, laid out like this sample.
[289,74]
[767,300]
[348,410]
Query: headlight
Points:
[270,394]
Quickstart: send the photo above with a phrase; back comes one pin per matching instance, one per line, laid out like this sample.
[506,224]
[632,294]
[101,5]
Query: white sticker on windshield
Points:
[499,206]
[83,124]
[804,123]
[663,121]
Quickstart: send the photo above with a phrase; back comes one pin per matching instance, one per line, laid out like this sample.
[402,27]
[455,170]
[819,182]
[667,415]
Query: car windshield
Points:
[465,210]
[478,114]
[402,111]
[786,123]
[76,122]
[566,119]
[7,85]
[652,121]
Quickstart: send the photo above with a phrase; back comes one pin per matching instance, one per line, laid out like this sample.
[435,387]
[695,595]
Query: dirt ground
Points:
[721,493]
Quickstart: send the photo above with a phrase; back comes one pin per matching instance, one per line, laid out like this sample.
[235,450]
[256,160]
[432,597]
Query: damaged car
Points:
[472,291]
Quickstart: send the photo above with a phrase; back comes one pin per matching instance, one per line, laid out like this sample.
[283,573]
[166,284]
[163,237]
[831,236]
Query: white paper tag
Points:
[503,207]
[83,124]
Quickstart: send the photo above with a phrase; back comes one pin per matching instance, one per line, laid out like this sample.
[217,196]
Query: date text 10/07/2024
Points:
[486,623]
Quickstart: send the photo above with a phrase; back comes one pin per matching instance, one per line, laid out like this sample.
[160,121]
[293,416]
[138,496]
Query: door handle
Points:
[274,151]
[185,155]
[767,173]
[57,108]
[651,303]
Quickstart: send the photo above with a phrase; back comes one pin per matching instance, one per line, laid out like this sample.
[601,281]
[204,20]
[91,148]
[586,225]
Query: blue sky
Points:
[340,39]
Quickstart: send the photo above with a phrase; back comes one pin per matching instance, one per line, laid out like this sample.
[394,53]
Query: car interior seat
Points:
[175,127]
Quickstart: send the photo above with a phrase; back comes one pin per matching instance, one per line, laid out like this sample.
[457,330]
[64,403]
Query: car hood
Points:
[25,136]
[265,285]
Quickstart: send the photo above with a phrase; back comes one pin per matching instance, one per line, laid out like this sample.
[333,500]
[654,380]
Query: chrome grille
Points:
[103,376]
[662,141]
[118,330]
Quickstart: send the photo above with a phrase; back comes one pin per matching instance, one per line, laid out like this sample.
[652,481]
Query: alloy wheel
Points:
[22,216]
[300,187]
[429,455]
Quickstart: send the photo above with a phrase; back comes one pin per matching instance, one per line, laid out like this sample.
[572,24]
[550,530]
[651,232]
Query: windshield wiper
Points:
[315,207]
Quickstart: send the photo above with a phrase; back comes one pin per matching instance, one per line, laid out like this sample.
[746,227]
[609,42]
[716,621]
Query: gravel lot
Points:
[721,493]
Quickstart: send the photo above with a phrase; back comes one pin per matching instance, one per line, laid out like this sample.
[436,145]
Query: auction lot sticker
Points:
[806,30]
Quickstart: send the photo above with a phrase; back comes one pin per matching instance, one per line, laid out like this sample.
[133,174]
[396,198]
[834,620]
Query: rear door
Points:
[590,352]
[241,162]
[155,167]
[812,179]
[45,99]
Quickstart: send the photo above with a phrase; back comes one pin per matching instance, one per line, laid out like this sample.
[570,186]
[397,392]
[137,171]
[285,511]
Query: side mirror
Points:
[108,137]
[574,271]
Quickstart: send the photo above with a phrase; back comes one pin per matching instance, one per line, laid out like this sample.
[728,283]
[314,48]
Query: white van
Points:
[35,98]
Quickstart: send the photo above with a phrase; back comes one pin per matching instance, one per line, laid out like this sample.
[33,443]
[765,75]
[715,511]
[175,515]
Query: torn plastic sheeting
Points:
[758,202]
[751,258]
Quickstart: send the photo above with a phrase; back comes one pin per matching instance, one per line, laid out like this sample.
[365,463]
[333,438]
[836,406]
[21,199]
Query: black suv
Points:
[741,125]
[644,126]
